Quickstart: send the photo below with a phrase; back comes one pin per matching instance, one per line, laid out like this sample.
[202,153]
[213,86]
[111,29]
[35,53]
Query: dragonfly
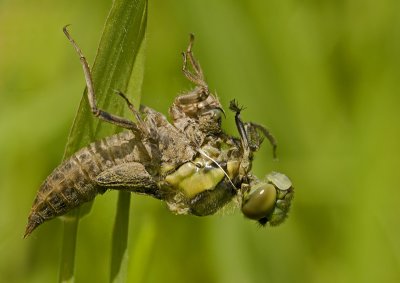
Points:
[189,163]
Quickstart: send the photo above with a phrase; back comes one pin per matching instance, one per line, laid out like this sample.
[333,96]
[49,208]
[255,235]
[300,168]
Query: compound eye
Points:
[260,201]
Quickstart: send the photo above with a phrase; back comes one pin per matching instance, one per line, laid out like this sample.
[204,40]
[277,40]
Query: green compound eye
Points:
[260,201]
[268,201]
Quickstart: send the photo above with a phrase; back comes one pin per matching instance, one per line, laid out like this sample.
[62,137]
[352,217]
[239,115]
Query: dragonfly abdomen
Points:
[67,187]
[73,182]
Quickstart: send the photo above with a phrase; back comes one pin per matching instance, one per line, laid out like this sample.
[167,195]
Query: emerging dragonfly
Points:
[190,163]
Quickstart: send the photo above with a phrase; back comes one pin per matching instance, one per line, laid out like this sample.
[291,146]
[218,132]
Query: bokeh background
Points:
[322,75]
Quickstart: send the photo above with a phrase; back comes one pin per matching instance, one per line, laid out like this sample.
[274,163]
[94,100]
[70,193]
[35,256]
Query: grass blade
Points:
[119,250]
[112,70]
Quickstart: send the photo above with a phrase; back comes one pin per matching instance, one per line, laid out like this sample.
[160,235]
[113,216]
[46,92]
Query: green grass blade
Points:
[112,70]
[142,250]
[119,250]
[66,272]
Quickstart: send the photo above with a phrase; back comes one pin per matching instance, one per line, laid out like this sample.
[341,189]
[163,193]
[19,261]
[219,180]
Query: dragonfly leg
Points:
[103,115]
[197,112]
[266,134]
[198,99]
[144,128]
[197,75]
[248,129]
[234,107]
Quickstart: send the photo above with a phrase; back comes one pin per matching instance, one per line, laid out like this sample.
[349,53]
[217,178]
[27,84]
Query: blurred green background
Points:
[322,75]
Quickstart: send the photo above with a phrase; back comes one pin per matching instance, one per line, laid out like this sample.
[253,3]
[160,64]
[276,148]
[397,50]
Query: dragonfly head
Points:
[268,200]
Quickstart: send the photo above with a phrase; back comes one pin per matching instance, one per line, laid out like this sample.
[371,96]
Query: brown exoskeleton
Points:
[190,163]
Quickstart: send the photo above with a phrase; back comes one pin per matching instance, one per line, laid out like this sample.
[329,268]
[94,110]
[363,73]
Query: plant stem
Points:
[121,41]
[119,257]
[66,274]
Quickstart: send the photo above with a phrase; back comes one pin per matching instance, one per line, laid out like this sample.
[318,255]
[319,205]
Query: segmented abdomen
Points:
[72,183]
